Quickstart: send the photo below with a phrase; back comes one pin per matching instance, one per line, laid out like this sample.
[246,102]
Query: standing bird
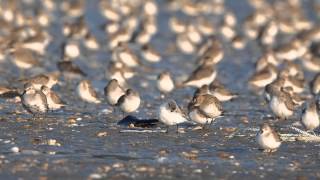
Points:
[310,116]
[221,93]
[281,104]
[171,114]
[87,93]
[125,55]
[53,100]
[204,74]
[165,83]
[48,80]
[34,101]
[262,78]
[268,139]
[150,54]
[204,109]
[129,102]
[113,91]
[24,59]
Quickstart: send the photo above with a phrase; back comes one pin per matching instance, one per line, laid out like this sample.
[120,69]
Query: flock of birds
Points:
[290,45]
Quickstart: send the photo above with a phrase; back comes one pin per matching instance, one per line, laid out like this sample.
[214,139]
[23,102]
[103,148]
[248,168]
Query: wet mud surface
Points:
[85,141]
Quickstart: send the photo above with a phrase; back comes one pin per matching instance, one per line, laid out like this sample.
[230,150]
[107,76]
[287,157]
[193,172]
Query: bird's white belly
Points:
[170,118]
[310,120]
[114,96]
[86,96]
[267,142]
[130,105]
[203,81]
[195,116]
[212,111]
[151,57]
[165,85]
[279,108]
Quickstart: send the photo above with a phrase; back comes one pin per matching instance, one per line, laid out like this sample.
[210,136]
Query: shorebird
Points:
[24,58]
[204,74]
[281,103]
[310,116]
[220,92]
[34,101]
[165,83]
[204,109]
[53,100]
[87,93]
[70,70]
[113,91]
[47,79]
[150,54]
[268,139]
[263,77]
[125,55]
[129,102]
[171,114]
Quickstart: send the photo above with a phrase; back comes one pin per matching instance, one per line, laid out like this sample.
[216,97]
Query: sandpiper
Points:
[125,55]
[165,83]
[91,42]
[239,42]
[87,93]
[53,100]
[291,51]
[150,54]
[311,62]
[268,139]
[264,77]
[129,102]
[113,91]
[267,58]
[24,58]
[48,80]
[296,84]
[204,109]
[125,71]
[37,43]
[211,52]
[109,12]
[171,114]
[69,69]
[177,25]
[292,69]
[310,116]
[34,101]
[297,98]
[281,104]
[220,92]
[184,44]
[71,50]
[202,90]
[204,74]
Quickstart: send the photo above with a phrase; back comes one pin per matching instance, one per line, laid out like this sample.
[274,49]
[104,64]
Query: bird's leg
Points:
[211,122]
[312,132]
[177,130]
[205,126]
[167,131]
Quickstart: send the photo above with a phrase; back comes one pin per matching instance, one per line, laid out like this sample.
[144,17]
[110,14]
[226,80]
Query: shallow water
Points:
[91,144]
